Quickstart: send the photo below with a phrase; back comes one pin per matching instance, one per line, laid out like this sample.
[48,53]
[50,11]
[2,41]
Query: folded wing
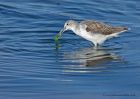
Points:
[98,27]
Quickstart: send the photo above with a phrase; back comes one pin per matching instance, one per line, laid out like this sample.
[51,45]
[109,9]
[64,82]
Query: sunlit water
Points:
[33,66]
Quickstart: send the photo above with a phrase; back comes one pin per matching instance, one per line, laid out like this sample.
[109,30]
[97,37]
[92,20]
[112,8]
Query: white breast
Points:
[83,33]
[93,37]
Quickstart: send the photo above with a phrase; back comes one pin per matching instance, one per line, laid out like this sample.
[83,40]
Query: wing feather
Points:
[98,27]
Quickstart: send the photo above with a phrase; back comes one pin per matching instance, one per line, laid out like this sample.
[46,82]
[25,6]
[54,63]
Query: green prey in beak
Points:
[69,25]
[58,36]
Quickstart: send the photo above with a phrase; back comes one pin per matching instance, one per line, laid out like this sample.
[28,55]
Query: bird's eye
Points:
[67,24]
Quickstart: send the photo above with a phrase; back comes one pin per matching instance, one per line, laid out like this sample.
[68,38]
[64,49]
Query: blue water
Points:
[33,66]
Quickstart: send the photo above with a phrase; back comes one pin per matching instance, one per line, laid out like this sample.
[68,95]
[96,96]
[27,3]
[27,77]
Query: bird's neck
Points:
[75,27]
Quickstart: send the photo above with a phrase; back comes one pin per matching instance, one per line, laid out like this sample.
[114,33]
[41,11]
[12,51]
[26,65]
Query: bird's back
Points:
[99,27]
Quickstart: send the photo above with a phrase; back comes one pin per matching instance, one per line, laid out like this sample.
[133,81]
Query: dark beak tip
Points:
[61,31]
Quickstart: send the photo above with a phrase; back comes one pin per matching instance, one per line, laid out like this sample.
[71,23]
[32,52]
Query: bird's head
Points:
[69,25]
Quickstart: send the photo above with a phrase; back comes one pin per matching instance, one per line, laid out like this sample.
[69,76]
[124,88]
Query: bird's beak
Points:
[61,32]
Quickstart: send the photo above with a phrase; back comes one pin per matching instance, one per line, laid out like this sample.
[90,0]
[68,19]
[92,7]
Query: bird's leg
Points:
[96,45]
[92,44]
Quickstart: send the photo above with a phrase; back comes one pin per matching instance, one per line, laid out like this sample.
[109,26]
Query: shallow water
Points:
[32,65]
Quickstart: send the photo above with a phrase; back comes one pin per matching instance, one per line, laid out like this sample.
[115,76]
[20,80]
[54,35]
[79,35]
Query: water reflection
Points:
[96,59]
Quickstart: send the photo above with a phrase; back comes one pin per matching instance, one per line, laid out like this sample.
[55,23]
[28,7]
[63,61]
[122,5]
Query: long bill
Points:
[61,32]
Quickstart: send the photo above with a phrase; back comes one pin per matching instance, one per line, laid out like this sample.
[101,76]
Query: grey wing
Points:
[98,27]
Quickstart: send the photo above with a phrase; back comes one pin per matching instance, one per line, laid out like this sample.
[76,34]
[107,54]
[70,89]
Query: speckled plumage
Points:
[94,31]
[99,27]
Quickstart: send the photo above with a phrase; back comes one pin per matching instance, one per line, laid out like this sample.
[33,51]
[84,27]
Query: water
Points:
[32,65]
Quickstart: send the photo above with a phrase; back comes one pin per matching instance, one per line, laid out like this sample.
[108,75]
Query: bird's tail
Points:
[119,29]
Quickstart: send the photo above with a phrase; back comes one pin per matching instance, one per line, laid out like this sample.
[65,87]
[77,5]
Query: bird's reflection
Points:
[92,56]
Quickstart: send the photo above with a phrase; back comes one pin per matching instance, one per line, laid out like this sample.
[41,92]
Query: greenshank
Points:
[94,31]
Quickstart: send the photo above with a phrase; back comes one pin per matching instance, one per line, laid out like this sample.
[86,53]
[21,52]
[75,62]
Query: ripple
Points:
[32,64]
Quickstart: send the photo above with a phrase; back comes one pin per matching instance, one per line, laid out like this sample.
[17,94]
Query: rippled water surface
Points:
[33,66]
